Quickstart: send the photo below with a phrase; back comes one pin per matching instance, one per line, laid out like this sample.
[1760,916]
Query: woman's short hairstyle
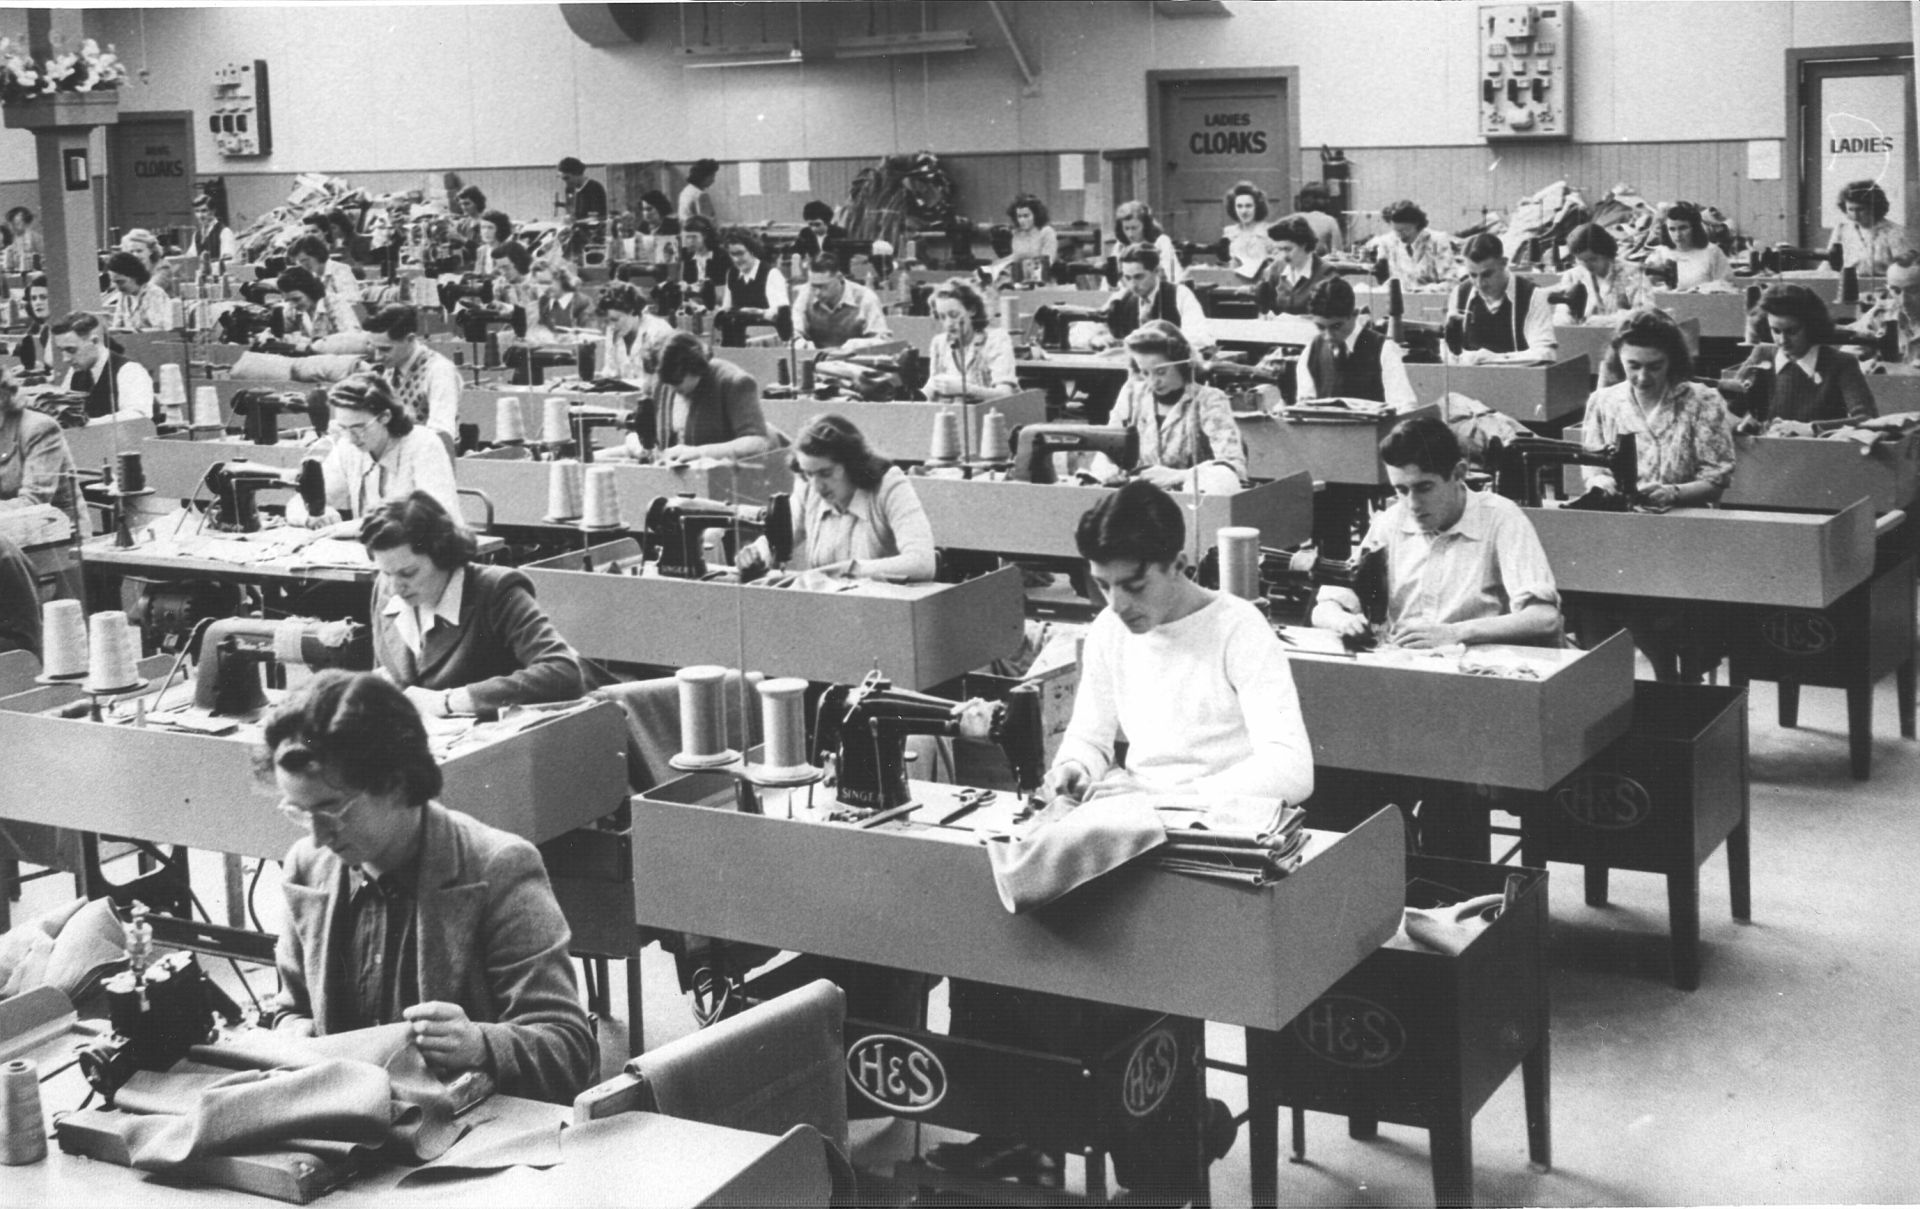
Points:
[502,225]
[339,222]
[746,239]
[1483,247]
[1027,201]
[1424,443]
[1144,254]
[967,295]
[1792,301]
[1138,523]
[370,393]
[19,210]
[704,226]
[1314,196]
[659,202]
[816,211]
[1688,213]
[474,194]
[422,522]
[297,280]
[1331,298]
[620,296]
[1295,230]
[357,728]
[129,264]
[309,245]
[682,356]
[1149,229]
[1405,211]
[1591,237]
[396,319]
[835,438]
[1252,190]
[1158,338]
[1650,327]
[515,254]
[703,170]
[143,243]
[1854,193]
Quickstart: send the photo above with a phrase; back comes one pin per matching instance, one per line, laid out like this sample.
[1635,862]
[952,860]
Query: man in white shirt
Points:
[113,385]
[831,312]
[1501,319]
[1144,295]
[426,383]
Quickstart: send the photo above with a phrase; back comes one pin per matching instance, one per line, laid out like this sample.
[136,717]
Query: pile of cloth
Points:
[280,226]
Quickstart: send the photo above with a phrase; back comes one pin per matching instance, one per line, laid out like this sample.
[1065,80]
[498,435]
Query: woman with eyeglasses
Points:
[378,454]
[1187,430]
[401,910]
[459,637]
[854,512]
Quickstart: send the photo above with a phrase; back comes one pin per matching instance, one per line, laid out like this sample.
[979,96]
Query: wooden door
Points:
[150,173]
[1211,129]
[1855,123]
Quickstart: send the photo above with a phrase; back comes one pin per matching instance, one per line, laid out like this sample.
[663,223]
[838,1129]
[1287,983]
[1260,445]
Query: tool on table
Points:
[970,801]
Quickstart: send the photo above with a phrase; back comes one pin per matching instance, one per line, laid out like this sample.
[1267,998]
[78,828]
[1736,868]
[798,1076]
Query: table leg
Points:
[1903,691]
[1263,1117]
[1363,1129]
[1597,885]
[1536,1077]
[636,1030]
[1789,704]
[1451,1143]
[1739,862]
[236,875]
[1683,920]
[1860,729]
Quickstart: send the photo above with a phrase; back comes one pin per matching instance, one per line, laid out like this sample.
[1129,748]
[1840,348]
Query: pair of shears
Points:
[970,800]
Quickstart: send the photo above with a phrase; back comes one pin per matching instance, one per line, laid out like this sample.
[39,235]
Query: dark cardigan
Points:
[504,652]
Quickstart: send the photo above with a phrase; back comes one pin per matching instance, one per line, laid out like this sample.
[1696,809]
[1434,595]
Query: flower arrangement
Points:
[89,69]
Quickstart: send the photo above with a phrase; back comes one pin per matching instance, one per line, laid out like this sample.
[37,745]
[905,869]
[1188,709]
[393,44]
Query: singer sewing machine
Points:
[677,528]
[1051,322]
[1518,465]
[226,680]
[260,410]
[874,377]
[1035,445]
[1293,582]
[860,733]
[235,485]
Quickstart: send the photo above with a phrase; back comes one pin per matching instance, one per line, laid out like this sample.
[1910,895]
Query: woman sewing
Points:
[1696,260]
[1611,285]
[32,346]
[458,637]
[634,335]
[1868,240]
[1133,222]
[1246,231]
[854,513]
[378,454]
[1798,379]
[562,306]
[1414,253]
[702,269]
[967,356]
[1034,239]
[35,463]
[135,303]
[703,408]
[1184,426]
[1295,269]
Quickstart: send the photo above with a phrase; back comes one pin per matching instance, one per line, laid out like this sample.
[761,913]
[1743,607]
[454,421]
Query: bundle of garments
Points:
[280,226]
[1541,223]
[902,191]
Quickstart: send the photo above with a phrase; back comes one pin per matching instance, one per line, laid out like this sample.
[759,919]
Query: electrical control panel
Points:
[1525,89]
[240,122]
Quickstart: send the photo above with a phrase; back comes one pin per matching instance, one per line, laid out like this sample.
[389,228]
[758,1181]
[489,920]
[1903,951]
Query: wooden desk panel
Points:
[1531,394]
[95,445]
[1381,717]
[1896,390]
[1818,475]
[1595,340]
[480,406]
[1039,519]
[920,635]
[1777,558]
[1293,331]
[904,430]
[1331,450]
[519,489]
[1721,316]
[1137,937]
[1423,305]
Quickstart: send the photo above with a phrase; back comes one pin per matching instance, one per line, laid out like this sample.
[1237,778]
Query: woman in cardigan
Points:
[135,303]
[1184,426]
[968,355]
[1295,269]
[1799,378]
[854,512]
[702,409]
[459,637]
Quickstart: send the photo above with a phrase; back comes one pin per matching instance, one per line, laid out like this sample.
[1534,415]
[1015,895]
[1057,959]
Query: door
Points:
[1212,129]
[150,174]
[1855,123]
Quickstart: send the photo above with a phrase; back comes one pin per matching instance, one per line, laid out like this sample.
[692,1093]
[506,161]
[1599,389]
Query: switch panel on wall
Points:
[239,121]
[1525,85]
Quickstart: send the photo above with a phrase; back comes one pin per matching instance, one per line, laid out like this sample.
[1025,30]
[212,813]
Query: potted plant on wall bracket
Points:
[72,88]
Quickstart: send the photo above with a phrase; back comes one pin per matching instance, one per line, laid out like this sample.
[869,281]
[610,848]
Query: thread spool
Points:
[601,507]
[554,426]
[703,718]
[63,640]
[945,447]
[110,664]
[565,484]
[176,313]
[206,407]
[130,472]
[173,389]
[509,422]
[783,726]
[1239,547]
[23,1125]
[994,443]
[806,376]
[1006,314]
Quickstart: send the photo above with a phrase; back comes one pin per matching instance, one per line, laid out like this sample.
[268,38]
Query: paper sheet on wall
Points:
[799,176]
[749,178]
[1073,172]
[1763,159]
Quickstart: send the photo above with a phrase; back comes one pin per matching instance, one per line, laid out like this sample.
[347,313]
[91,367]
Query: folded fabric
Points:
[1072,850]
[324,367]
[1450,930]
[484,1151]
[66,947]
[237,1111]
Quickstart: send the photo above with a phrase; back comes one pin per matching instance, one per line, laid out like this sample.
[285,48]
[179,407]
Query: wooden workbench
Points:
[480,406]
[1897,389]
[518,489]
[1822,475]
[920,635]
[904,430]
[1594,339]
[1546,396]
[1342,450]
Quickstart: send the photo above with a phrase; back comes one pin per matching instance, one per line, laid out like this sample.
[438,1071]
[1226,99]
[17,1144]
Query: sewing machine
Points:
[1052,321]
[677,525]
[160,1007]
[1517,466]
[1293,581]
[226,681]
[260,411]
[861,731]
[235,484]
[1573,297]
[875,377]
[1782,257]
[1035,445]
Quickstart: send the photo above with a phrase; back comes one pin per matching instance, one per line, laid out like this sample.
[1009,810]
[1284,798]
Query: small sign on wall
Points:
[76,173]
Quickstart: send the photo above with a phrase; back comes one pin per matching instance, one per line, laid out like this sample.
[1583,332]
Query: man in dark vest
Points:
[1144,294]
[1498,319]
[213,240]
[112,384]
[755,291]
[1350,359]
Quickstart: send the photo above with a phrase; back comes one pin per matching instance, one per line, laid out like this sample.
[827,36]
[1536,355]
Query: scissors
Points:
[970,800]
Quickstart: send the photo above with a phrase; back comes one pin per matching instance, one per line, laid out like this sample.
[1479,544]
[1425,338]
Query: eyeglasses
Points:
[357,428]
[332,817]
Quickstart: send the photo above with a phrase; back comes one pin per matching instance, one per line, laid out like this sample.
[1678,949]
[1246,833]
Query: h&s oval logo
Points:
[896,1073]
[1607,800]
[1347,1030]
[1796,632]
[1151,1070]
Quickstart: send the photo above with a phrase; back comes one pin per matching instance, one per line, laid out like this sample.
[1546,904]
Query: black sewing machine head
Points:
[1035,445]
[160,1008]
[1782,257]
[1573,297]
[239,324]
[874,377]
[677,527]
[1051,322]
[226,680]
[1518,464]
[862,731]
[234,485]
[259,412]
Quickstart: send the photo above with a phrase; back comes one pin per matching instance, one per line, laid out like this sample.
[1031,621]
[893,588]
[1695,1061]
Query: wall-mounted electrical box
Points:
[1526,90]
[240,122]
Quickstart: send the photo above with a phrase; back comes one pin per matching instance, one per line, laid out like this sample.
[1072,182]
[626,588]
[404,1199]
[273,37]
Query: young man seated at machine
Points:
[1350,359]
[112,384]
[426,383]
[399,909]
[1495,317]
[830,312]
[1460,566]
[1232,729]
[1892,327]
[1145,295]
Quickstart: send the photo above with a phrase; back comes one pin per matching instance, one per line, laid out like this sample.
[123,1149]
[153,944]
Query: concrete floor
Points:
[1790,1076]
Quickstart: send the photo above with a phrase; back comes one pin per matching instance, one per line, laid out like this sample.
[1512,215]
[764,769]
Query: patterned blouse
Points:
[1172,442]
[1868,249]
[1688,437]
[1428,260]
[989,360]
[1624,289]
